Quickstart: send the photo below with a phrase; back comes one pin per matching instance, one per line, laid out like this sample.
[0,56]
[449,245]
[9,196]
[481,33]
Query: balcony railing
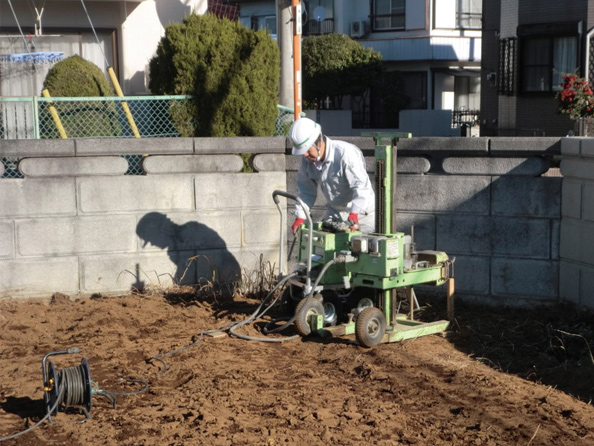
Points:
[465,117]
[470,20]
[313,27]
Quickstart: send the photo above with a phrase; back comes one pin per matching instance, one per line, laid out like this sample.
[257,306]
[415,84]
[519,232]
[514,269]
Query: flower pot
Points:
[584,127]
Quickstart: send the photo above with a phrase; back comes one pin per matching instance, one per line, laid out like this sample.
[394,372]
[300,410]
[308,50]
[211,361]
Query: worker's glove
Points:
[353,221]
[298,222]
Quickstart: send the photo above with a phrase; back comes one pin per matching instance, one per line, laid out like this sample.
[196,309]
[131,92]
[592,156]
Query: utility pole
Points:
[284,28]
[289,27]
[296,6]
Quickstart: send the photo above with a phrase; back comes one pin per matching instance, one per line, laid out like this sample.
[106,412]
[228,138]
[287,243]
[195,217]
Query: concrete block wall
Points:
[77,224]
[577,224]
[485,202]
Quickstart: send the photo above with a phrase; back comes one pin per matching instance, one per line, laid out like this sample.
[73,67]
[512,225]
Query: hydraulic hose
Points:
[258,314]
[40,422]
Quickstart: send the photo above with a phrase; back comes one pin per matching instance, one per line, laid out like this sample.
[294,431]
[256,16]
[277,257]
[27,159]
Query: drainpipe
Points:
[588,49]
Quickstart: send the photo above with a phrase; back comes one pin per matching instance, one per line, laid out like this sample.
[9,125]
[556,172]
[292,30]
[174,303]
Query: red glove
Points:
[353,221]
[298,222]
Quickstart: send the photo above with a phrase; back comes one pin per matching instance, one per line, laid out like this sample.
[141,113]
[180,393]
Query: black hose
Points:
[40,422]
[258,314]
[73,382]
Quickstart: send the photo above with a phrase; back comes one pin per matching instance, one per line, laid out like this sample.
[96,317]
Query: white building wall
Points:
[509,18]
[444,18]
[139,26]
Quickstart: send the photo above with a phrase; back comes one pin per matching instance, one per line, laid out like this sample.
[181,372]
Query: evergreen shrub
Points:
[232,73]
[77,77]
[334,65]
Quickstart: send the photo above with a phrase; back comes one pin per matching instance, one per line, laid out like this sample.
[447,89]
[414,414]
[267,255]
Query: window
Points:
[469,14]
[26,79]
[267,23]
[545,60]
[388,14]
[319,17]
[467,92]
[507,66]
[415,89]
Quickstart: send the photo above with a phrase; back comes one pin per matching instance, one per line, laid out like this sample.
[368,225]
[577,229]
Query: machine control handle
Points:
[282,193]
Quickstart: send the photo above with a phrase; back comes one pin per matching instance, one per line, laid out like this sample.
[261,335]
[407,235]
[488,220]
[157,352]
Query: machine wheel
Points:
[305,310]
[330,314]
[290,298]
[370,327]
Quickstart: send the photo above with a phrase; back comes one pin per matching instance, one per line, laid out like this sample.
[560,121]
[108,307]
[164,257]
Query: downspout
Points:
[588,49]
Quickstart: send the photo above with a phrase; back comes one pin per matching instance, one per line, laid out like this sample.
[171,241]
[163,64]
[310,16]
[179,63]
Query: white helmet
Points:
[303,134]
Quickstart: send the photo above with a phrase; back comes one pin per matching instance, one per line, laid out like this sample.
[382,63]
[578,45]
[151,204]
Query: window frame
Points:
[550,32]
[470,16]
[508,72]
[401,16]
[547,65]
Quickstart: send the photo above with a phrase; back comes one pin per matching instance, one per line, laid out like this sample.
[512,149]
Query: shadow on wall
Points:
[199,253]
[173,11]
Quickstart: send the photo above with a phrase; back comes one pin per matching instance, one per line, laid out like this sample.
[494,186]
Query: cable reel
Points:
[66,388]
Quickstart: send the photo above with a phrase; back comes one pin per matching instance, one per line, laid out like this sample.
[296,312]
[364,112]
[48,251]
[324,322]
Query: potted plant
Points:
[576,99]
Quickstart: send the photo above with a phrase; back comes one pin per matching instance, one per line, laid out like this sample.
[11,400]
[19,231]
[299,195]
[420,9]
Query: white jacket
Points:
[343,179]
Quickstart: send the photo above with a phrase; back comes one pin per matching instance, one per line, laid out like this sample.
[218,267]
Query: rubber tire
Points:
[305,309]
[370,327]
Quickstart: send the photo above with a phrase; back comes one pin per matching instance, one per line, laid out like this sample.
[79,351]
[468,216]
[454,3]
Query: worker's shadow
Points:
[198,252]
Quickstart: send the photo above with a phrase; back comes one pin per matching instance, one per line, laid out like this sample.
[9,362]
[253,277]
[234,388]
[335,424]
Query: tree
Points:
[232,72]
[335,65]
[77,77]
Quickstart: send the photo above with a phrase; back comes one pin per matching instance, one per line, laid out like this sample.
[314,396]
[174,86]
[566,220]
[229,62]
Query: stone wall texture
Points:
[76,223]
[577,223]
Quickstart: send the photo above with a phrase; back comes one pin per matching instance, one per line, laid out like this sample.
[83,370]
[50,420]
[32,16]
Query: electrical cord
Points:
[39,423]
[72,382]
[72,390]
[258,313]
[231,327]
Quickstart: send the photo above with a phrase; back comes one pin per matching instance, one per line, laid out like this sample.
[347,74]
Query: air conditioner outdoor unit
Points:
[359,28]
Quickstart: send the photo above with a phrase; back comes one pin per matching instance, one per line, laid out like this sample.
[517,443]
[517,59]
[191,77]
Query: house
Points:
[435,45]
[110,33]
[527,46]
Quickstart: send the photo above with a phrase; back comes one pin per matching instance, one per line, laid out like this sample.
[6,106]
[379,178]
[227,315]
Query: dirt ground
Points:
[499,377]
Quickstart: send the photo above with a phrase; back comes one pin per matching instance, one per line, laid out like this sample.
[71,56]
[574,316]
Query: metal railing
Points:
[465,117]
[102,117]
[105,117]
[313,27]
[93,117]
[285,118]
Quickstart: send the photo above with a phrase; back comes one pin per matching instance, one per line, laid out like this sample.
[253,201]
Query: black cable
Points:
[258,314]
[39,423]
[72,390]
[72,381]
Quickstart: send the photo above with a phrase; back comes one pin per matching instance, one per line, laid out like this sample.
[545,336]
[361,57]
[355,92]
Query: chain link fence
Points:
[102,117]
[9,168]
[95,117]
[284,120]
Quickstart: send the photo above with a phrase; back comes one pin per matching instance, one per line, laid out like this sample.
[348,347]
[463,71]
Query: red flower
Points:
[576,97]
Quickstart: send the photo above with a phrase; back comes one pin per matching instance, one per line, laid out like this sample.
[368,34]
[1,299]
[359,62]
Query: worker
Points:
[339,169]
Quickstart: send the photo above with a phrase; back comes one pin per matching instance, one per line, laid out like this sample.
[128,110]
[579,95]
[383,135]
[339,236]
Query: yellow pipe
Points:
[118,90]
[55,115]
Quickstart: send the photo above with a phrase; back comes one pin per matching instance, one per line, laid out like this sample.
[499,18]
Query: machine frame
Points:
[357,275]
